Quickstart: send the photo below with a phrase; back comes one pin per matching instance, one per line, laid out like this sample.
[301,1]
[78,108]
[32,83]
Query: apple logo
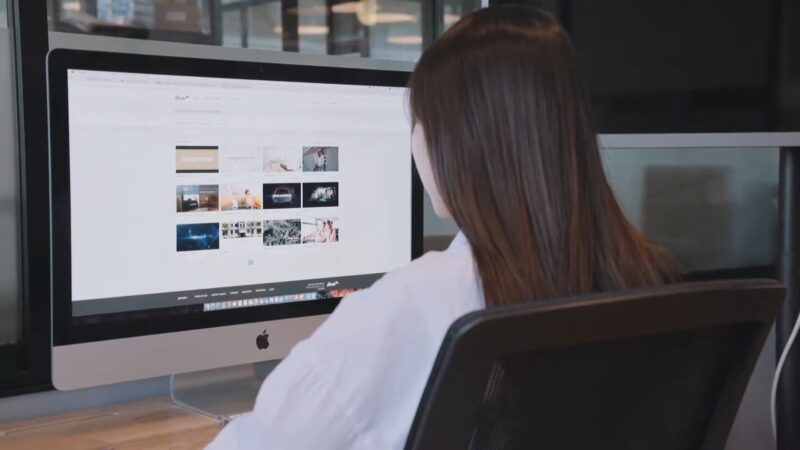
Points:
[262,341]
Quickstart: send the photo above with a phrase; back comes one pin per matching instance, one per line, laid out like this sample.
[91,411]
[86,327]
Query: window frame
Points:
[26,364]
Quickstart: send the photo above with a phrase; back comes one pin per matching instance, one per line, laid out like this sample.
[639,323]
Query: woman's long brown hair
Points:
[515,157]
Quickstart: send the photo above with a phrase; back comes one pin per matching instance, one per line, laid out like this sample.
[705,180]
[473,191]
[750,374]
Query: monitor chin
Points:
[79,366]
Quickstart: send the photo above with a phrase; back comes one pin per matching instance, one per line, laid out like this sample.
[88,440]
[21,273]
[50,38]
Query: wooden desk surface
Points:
[150,424]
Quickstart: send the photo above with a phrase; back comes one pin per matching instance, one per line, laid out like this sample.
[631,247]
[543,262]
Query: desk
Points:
[150,424]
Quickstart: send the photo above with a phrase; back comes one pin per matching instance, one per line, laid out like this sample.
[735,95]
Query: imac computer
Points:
[208,214]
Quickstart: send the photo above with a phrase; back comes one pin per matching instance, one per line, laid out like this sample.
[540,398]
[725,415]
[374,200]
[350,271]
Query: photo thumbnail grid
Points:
[252,196]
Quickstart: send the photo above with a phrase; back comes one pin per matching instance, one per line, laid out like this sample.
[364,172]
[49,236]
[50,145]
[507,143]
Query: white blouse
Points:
[357,381]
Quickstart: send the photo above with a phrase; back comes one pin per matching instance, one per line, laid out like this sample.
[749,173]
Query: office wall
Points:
[9,224]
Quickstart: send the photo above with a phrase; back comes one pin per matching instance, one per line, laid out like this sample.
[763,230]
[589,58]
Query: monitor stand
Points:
[220,394]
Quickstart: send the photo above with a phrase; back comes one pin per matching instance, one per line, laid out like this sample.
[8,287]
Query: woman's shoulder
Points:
[431,292]
[454,268]
[440,285]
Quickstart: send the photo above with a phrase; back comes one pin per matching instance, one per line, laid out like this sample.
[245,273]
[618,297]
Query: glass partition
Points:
[10,298]
[713,208]
[454,10]
[379,29]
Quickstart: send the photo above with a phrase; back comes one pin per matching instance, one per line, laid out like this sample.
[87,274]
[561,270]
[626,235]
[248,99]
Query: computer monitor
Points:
[212,213]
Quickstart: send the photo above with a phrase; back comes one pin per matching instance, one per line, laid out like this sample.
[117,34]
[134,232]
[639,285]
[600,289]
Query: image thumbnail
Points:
[320,194]
[242,230]
[197,198]
[196,159]
[281,195]
[320,159]
[321,230]
[240,160]
[281,160]
[281,232]
[240,196]
[198,236]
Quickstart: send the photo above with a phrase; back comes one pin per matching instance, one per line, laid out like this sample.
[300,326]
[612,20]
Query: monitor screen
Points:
[224,193]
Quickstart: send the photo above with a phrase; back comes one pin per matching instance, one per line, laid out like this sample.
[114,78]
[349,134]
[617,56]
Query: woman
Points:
[320,160]
[318,235]
[234,200]
[330,232]
[249,200]
[504,145]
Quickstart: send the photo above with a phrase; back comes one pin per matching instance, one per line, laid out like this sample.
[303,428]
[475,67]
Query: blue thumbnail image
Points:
[198,236]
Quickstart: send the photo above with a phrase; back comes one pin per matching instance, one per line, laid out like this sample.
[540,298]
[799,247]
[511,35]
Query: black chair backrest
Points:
[655,369]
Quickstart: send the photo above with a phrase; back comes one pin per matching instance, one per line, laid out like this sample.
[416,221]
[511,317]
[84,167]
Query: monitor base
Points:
[221,394]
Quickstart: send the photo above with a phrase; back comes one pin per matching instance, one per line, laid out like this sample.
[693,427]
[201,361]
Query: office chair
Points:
[654,369]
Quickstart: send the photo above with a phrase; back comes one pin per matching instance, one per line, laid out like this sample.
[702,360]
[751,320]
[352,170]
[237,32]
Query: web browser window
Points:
[189,190]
